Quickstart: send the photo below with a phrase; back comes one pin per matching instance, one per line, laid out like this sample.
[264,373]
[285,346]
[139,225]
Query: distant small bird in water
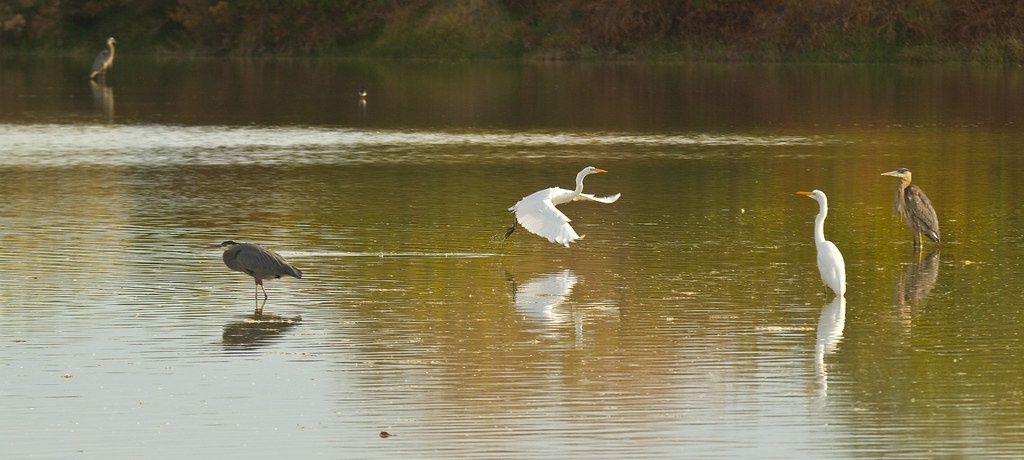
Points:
[915,208]
[104,60]
[258,262]
[362,93]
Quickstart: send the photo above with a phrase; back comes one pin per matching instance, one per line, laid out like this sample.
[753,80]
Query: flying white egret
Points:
[830,260]
[538,214]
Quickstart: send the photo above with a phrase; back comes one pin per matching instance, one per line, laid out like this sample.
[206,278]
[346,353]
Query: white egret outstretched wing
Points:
[538,214]
[599,199]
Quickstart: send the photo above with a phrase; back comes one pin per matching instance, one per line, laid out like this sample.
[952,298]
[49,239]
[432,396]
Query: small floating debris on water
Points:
[385,434]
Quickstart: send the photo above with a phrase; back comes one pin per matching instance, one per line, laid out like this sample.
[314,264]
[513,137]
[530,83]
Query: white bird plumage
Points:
[830,260]
[538,214]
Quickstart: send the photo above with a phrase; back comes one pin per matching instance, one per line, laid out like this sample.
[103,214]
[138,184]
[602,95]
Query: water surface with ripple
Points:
[689,322]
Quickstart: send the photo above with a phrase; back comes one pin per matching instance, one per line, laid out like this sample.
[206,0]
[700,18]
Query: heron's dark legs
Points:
[259,284]
[512,228]
[259,305]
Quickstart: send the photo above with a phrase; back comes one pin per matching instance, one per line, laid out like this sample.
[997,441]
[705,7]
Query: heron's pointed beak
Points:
[892,173]
[805,193]
[215,246]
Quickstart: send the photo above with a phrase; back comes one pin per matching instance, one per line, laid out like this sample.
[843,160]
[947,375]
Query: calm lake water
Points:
[689,322]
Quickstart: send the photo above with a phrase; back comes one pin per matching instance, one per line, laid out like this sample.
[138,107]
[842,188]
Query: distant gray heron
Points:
[915,208]
[104,60]
[257,262]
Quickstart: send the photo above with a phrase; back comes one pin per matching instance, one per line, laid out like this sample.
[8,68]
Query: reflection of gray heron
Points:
[914,207]
[830,332]
[538,214]
[257,330]
[104,60]
[917,280]
[258,262]
[830,261]
[103,98]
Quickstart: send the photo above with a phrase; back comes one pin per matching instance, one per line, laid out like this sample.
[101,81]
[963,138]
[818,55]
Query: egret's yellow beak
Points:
[599,170]
[805,193]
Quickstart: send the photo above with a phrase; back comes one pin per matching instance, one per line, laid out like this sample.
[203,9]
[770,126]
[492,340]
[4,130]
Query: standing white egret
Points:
[538,214]
[830,260]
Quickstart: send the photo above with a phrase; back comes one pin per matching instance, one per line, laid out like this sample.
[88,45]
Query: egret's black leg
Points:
[512,228]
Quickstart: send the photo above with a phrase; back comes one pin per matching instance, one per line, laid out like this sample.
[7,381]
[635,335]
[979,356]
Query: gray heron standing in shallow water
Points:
[104,60]
[915,208]
[258,262]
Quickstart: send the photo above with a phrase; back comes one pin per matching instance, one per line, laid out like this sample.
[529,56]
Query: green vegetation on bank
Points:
[775,30]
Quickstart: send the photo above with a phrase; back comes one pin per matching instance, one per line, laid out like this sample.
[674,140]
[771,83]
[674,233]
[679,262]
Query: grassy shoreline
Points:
[531,30]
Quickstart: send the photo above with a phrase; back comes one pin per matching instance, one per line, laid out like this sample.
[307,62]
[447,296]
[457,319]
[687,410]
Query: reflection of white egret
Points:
[538,297]
[830,260]
[830,332]
[538,214]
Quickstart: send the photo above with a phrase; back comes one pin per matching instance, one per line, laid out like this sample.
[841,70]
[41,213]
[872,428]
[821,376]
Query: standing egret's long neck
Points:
[819,222]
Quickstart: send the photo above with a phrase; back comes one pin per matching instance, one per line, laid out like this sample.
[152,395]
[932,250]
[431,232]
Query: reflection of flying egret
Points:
[104,60]
[538,214]
[830,332]
[830,260]
[258,262]
[538,297]
[915,208]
